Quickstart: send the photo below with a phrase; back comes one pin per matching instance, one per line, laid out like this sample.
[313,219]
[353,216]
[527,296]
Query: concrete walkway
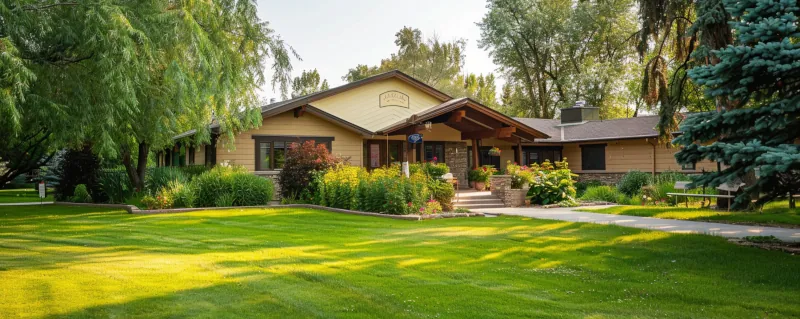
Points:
[667,225]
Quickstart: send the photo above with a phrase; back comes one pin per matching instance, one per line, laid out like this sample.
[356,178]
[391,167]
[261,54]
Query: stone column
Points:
[455,156]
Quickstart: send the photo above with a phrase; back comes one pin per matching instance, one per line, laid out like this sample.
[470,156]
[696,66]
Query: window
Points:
[689,167]
[211,153]
[271,150]
[539,154]
[191,155]
[593,157]
[434,149]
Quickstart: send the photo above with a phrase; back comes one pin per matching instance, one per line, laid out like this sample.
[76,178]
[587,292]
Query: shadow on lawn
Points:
[301,263]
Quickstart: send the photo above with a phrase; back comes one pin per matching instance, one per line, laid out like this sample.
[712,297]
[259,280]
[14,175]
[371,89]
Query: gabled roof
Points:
[626,128]
[303,101]
[459,103]
[283,106]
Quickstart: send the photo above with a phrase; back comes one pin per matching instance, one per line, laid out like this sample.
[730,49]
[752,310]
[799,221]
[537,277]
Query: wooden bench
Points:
[724,187]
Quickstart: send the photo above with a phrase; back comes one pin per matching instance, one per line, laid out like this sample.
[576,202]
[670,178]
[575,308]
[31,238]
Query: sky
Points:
[334,36]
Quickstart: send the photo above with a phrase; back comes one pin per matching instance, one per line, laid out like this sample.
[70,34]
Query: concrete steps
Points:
[476,200]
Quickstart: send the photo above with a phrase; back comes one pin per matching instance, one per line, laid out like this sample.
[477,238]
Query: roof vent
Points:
[272,100]
[580,112]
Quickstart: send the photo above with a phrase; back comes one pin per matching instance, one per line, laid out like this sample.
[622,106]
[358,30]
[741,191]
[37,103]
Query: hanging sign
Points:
[415,138]
[374,155]
[42,190]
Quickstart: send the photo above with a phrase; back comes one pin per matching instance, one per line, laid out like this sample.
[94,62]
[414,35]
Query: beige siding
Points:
[637,154]
[199,155]
[360,106]
[346,143]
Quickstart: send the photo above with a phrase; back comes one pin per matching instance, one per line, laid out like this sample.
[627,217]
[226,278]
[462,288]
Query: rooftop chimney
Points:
[579,113]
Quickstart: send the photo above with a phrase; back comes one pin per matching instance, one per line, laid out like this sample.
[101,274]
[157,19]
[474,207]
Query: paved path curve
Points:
[667,225]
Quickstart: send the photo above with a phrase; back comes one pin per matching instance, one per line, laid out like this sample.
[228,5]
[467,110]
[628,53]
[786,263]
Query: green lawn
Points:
[75,262]
[773,214]
[22,196]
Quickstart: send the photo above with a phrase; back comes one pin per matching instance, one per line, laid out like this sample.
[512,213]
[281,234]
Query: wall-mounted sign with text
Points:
[393,98]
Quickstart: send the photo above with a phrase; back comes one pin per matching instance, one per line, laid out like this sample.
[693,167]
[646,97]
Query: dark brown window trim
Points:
[258,139]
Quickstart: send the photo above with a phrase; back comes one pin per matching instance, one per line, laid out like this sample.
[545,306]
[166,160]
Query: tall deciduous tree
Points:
[128,75]
[756,84]
[431,61]
[308,82]
[676,36]
[557,52]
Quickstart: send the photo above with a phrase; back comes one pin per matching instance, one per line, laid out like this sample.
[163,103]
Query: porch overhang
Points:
[472,119]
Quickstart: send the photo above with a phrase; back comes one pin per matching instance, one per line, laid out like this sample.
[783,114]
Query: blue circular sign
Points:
[415,138]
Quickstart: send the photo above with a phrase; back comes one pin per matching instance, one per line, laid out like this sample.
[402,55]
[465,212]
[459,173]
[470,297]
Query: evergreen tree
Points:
[756,85]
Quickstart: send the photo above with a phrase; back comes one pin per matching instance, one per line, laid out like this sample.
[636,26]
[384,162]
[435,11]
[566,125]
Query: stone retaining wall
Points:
[273,175]
[605,178]
[501,187]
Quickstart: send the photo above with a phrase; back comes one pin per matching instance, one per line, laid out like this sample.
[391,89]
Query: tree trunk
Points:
[136,173]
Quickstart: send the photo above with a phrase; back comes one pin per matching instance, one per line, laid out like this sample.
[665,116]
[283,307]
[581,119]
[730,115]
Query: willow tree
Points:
[675,36]
[126,76]
[756,84]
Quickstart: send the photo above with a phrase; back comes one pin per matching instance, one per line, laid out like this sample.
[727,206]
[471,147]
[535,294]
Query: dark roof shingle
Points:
[634,127]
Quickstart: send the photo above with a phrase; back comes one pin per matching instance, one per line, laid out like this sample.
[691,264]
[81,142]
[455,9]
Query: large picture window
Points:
[593,157]
[271,150]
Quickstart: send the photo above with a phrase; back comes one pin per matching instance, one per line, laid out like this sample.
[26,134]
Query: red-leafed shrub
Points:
[302,160]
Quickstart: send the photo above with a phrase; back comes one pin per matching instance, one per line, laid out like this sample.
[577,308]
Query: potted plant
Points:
[481,176]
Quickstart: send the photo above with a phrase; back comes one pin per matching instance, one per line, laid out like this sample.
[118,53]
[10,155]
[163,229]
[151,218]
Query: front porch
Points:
[459,133]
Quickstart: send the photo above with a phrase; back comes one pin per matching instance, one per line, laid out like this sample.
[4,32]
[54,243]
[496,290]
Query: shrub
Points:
[552,184]
[115,184]
[602,193]
[461,210]
[224,200]
[78,167]
[632,182]
[183,194]
[190,171]
[443,192]
[149,202]
[431,207]
[483,173]
[520,175]
[580,187]
[671,177]
[435,170]
[164,199]
[251,190]
[81,194]
[340,184]
[229,186]
[302,160]
[158,177]
[383,190]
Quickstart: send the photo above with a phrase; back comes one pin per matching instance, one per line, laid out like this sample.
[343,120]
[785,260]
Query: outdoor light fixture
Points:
[428,126]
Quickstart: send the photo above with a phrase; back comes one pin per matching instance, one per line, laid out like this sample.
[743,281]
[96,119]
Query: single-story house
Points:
[368,123]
